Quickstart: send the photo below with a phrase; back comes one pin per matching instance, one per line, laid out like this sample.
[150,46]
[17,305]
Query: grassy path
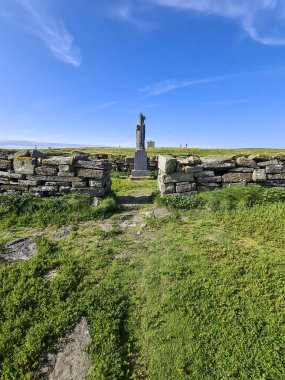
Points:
[180,295]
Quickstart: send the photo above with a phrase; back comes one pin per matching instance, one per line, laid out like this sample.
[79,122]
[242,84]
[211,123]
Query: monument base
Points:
[140,171]
[140,175]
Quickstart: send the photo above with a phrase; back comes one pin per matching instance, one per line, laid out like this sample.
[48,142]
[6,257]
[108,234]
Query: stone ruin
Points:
[192,174]
[47,174]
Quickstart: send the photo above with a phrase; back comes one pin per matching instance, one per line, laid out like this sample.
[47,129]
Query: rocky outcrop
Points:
[43,174]
[192,174]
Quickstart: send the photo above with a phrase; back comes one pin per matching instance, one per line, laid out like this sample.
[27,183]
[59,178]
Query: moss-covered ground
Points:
[194,293]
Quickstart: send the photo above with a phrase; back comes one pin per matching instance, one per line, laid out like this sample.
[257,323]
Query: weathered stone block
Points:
[48,189]
[46,170]
[215,179]
[65,174]
[194,169]
[237,177]
[4,164]
[92,191]
[26,182]
[241,170]
[177,177]
[52,178]
[184,187]
[218,163]
[93,183]
[14,187]
[4,181]
[275,169]
[3,155]
[79,185]
[64,189]
[57,160]
[243,161]
[50,183]
[65,168]
[11,175]
[276,176]
[259,175]
[167,164]
[166,188]
[91,173]
[101,165]
[20,153]
[267,163]
[24,165]
[205,173]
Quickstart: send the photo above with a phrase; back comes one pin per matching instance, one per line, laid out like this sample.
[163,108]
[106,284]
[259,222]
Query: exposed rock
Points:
[4,164]
[275,169]
[237,177]
[24,165]
[259,175]
[167,164]
[267,163]
[18,250]
[243,161]
[166,188]
[184,187]
[62,234]
[91,173]
[71,361]
[177,177]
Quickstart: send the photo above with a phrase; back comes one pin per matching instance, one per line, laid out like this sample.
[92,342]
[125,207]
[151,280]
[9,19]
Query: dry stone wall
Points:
[127,164]
[192,174]
[48,175]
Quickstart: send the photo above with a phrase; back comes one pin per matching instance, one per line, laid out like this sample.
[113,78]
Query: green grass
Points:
[126,187]
[198,295]
[118,151]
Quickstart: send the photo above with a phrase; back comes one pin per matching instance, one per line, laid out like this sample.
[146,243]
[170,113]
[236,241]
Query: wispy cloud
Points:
[107,104]
[173,84]
[262,20]
[35,17]
[224,103]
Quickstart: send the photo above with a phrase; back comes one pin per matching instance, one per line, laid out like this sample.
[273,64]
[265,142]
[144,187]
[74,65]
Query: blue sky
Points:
[209,73]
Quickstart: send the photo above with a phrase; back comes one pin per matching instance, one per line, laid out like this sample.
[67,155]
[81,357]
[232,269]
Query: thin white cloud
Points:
[38,20]
[262,20]
[173,84]
[107,104]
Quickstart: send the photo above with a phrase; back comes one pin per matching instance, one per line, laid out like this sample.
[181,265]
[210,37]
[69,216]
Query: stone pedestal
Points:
[140,171]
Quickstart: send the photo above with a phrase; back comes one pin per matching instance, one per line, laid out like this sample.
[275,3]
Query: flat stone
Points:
[64,189]
[241,170]
[218,163]
[11,175]
[259,175]
[4,164]
[46,170]
[275,169]
[18,250]
[237,177]
[243,161]
[65,168]
[215,179]
[205,173]
[71,361]
[48,189]
[50,178]
[92,191]
[91,173]
[193,169]
[65,174]
[276,176]
[184,187]
[93,183]
[19,153]
[15,186]
[26,182]
[24,165]
[166,188]
[79,185]
[267,163]
[97,164]
[177,177]
[167,164]
[57,160]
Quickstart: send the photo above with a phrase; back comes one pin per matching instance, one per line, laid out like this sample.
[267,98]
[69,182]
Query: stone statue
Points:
[141,133]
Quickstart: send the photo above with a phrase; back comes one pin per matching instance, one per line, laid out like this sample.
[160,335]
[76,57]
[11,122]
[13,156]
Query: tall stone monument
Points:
[140,171]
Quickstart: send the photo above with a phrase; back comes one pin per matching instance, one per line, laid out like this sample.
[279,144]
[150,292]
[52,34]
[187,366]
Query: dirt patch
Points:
[71,361]
[18,250]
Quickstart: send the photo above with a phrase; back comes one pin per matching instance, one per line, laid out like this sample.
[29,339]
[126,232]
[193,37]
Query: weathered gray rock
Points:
[242,170]
[48,189]
[11,175]
[97,164]
[46,170]
[4,181]
[167,164]
[94,183]
[65,168]
[204,173]
[26,182]
[20,153]
[64,189]
[71,361]
[4,164]
[177,177]
[52,178]
[267,163]
[91,191]
[184,187]
[215,179]
[24,165]
[259,175]
[237,177]
[275,169]
[194,169]
[166,188]
[65,174]
[14,186]
[91,173]
[58,160]
[218,163]
[276,176]
[208,186]
[18,250]
[243,161]
[78,185]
